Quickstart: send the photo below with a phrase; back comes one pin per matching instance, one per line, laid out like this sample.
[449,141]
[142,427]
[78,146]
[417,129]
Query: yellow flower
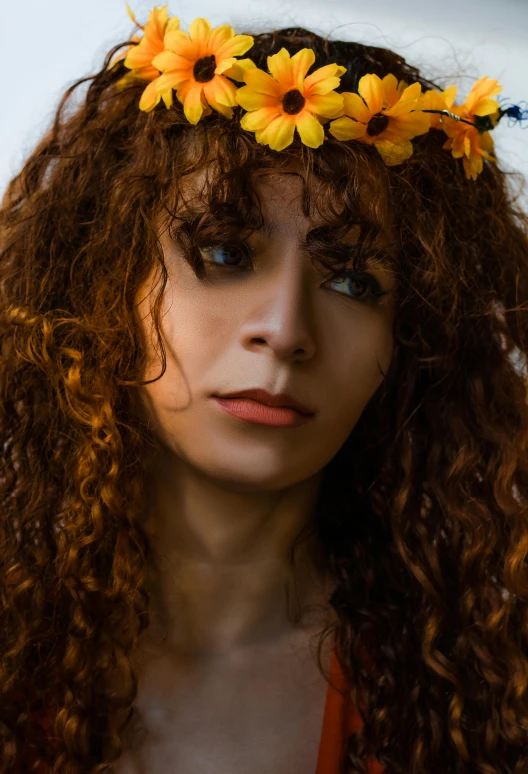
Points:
[196,65]
[386,115]
[139,58]
[285,100]
[438,100]
[472,147]
[466,141]
[478,101]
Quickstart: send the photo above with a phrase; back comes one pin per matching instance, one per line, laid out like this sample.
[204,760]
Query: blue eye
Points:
[227,255]
[345,279]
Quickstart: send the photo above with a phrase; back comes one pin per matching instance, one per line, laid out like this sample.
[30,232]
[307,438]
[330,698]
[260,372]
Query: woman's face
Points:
[276,327]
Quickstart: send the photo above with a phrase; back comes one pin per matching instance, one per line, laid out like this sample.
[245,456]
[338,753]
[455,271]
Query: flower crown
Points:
[202,65]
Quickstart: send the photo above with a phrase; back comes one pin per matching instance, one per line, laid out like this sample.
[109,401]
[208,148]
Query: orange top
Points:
[340,719]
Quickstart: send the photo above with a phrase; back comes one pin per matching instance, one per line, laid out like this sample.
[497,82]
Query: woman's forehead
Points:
[280,194]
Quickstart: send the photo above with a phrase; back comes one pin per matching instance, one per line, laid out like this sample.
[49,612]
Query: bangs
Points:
[345,193]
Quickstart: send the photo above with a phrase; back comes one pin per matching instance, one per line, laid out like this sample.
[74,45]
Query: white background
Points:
[47,44]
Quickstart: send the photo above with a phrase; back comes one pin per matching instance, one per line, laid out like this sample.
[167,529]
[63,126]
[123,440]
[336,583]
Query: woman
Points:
[195,581]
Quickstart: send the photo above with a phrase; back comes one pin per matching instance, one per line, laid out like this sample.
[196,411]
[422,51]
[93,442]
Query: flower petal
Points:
[256,120]
[149,98]
[486,141]
[391,95]
[126,81]
[324,86]
[327,105]
[457,146]
[141,55]
[172,80]
[225,64]
[221,90]
[142,73]
[309,128]
[473,167]
[258,80]
[279,133]
[234,47]
[394,153]
[157,22]
[167,97]
[152,41]
[179,42]
[192,104]
[172,24]
[131,14]
[168,60]
[370,88]
[219,36]
[434,100]
[449,95]
[209,93]
[279,66]
[252,100]
[300,64]
[321,74]
[483,88]
[355,107]
[485,107]
[239,68]
[346,129]
[411,124]
[408,101]
[199,31]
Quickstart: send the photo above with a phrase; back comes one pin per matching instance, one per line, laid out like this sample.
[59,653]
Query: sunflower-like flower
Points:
[385,114]
[466,141]
[139,58]
[286,99]
[196,64]
[437,100]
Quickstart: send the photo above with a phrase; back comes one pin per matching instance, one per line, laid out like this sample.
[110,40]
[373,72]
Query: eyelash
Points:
[375,289]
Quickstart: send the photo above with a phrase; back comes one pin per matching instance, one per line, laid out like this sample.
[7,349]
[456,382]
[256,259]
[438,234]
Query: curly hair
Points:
[422,514]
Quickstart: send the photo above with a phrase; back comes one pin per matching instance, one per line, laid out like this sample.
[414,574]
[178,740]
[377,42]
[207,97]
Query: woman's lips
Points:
[258,413]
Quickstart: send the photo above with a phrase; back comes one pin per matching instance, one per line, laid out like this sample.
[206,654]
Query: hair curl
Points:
[425,531]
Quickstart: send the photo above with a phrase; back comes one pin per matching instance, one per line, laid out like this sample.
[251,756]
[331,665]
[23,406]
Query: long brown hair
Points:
[422,514]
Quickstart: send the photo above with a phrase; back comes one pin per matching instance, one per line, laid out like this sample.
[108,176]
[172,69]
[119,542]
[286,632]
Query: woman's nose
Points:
[283,316]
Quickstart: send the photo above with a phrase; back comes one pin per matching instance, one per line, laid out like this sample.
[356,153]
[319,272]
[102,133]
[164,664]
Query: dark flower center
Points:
[377,124]
[483,123]
[204,69]
[293,102]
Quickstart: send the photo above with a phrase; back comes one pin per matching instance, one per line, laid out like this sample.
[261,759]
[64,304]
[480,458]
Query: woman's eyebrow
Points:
[381,255]
[269,228]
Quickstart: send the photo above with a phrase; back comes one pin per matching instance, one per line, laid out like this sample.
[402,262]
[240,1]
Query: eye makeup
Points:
[240,258]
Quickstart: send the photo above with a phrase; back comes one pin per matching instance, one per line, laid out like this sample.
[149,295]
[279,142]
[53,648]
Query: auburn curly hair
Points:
[422,514]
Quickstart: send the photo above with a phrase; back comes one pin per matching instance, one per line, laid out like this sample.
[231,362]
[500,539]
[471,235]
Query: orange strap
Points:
[340,719]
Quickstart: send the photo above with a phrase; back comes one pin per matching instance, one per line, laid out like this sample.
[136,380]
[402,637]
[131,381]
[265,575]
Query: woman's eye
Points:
[226,255]
[239,257]
[350,279]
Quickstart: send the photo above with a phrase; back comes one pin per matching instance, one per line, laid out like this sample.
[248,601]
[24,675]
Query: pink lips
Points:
[277,400]
[252,411]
